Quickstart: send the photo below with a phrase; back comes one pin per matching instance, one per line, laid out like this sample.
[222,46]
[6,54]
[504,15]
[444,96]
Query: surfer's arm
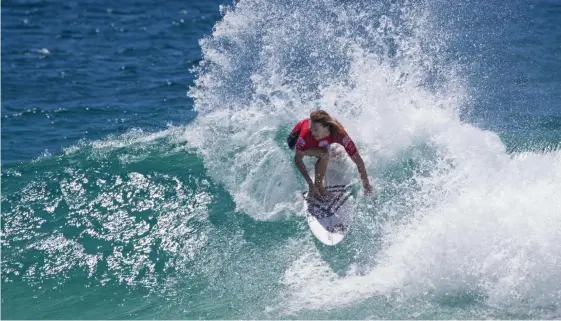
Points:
[362,171]
[298,156]
[350,147]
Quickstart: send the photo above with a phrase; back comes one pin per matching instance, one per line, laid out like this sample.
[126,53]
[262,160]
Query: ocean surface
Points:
[145,173]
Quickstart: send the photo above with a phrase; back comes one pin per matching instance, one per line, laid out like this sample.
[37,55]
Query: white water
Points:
[473,218]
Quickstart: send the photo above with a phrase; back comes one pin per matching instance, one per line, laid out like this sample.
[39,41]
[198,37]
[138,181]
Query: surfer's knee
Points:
[322,153]
[336,150]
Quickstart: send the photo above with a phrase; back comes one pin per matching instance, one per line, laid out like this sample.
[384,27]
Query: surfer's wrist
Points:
[366,183]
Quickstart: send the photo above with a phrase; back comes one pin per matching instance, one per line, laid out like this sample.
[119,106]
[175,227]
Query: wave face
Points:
[460,219]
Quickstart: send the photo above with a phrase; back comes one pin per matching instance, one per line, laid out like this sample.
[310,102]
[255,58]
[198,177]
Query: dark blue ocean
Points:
[145,173]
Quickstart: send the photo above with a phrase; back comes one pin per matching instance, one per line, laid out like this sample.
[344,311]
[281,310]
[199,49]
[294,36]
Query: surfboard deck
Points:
[328,220]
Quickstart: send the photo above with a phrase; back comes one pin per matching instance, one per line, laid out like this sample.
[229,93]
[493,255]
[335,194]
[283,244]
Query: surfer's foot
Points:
[323,193]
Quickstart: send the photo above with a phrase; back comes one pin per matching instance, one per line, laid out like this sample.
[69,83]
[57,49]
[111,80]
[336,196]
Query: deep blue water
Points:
[85,70]
[144,172]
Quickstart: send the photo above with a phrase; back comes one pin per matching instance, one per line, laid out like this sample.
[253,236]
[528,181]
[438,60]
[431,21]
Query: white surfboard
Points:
[329,220]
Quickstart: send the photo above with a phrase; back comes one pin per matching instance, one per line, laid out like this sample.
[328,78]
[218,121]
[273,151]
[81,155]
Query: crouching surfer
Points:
[313,137]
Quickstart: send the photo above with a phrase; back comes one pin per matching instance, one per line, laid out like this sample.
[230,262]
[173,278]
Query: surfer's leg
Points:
[321,168]
[337,151]
[322,154]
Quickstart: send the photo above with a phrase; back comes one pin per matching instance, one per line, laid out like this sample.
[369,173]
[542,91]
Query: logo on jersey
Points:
[323,143]
[346,140]
[301,142]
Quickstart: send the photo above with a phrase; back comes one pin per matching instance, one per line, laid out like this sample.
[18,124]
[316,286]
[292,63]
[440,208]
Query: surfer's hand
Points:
[313,192]
[323,194]
[368,189]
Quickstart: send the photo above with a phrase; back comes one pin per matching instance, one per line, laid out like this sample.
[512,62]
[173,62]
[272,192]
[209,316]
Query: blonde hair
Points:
[323,117]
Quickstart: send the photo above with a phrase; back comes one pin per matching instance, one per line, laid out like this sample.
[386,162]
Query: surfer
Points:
[313,137]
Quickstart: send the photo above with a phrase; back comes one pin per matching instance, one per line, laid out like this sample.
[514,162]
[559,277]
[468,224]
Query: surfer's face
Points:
[319,131]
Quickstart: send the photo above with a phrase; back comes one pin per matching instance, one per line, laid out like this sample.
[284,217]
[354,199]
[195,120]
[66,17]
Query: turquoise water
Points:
[145,176]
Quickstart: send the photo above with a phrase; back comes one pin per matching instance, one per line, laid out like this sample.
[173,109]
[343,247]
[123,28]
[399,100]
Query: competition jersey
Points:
[306,140]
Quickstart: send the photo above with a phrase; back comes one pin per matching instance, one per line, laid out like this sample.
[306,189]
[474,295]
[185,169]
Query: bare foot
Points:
[312,193]
[323,193]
